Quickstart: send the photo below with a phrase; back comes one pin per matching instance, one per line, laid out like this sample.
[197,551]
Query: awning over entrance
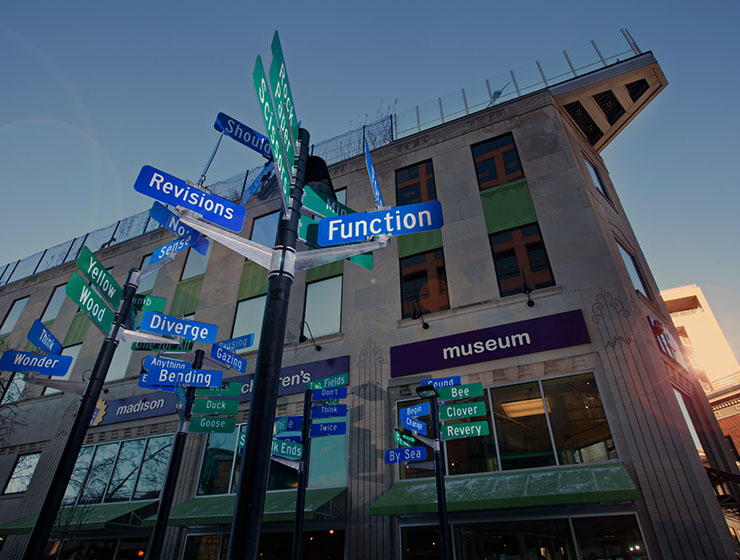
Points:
[279,506]
[582,484]
[82,518]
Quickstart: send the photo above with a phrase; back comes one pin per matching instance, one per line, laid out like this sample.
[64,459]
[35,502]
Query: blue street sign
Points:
[190,240]
[42,338]
[256,183]
[328,429]
[325,394]
[288,424]
[243,134]
[167,324]
[166,217]
[166,377]
[53,364]
[405,454]
[176,192]
[401,220]
[442,381]
[156,362]
[238,343]
[328,411]
[296,439]
[226,357]
[414,425]
[373,179]
[145,382]
[421,409]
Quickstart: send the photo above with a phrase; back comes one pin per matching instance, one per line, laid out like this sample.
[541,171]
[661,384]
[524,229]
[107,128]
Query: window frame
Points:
[25,300]
[14,470]
[341,303]
[520,250]
[417,301]
[58,289]
[207,258]
[257,333]
[625,252]
[597,181]
[409,182]
[501,178]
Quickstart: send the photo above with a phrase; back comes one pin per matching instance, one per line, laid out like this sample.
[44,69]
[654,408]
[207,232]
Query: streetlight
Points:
[430,392]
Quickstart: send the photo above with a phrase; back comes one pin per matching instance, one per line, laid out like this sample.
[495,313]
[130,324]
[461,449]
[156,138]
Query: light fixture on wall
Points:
[527,290]
[416,314]
[303,337]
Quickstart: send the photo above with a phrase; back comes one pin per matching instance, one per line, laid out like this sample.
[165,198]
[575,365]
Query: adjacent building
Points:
[536,288]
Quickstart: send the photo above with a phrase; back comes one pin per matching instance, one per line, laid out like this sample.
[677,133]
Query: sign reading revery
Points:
[513,339]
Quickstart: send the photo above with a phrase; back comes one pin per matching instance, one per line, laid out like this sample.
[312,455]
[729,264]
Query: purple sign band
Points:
[513,339]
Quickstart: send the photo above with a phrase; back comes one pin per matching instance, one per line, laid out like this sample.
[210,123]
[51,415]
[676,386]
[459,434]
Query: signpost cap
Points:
[427,391]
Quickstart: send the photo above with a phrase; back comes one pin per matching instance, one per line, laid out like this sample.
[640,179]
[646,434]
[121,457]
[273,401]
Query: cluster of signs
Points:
[326,394]
[449,389]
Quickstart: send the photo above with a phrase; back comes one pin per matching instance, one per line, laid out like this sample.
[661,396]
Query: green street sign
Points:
[403,440]
[468,429]
[145,302]
[184,346]
[219,424]
[91,303]
[273,134]
[96,273]
[284,106]
[462,410]
[339,380]
[230,389]
[287,449]
[308,228]
[215,406]
[460,391]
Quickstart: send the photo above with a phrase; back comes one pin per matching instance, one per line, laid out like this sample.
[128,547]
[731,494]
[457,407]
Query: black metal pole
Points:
[250,495]
[54,495]
[156,540]
[300,500]
[440,478]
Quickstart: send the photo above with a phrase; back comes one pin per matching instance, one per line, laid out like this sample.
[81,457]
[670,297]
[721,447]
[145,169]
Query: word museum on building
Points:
[576,430]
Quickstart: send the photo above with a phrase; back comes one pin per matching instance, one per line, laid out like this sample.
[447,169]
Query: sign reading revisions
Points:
[176,192]
[513,339]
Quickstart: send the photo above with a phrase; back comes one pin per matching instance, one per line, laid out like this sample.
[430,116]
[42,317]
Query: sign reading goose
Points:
[402,220]
[167,324]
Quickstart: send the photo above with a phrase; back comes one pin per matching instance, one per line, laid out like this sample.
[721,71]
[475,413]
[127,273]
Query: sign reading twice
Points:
[328,429]
[42,338]
[176,192]
[513,339]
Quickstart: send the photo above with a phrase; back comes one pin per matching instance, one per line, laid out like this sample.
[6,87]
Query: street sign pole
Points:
[54,495]
[154,549]
[440,480]
[300,501]
[250,497]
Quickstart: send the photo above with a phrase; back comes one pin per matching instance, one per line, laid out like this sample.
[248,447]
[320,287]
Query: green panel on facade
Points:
[77,330]
[219,510]
[80,518]
[421,242]
[583,484]
[185,300]
[508,206]
[325,271]
[253,282]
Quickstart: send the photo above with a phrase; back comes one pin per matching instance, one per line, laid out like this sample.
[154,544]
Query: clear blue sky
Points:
[92,91]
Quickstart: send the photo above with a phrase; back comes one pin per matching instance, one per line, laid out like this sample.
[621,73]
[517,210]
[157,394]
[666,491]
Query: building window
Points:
[633,270]
[264,229]
[119,471]
[596,178]
[496,162]
[323,312]
[415,183]
[423,283]
[615,536]
[196,264]
[73,351]
[12,317]
[54,305]
[23,471]
[13,387]
[248,320]
[119,363]
[147,283]
[519,256]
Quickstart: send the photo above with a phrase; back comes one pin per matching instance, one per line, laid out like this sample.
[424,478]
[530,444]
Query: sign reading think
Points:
[226,357]
[220,424]
[411,218]
[176,192]
[167,324]
[230,389]
[469,429]
[287,449]
[334,393]
[243,134]
[329,382]
[466,410]
[414,425]
[41,338]
[328,411]
[15,361]
[215,406]
[328,429]
[460,392]
[171,221]
[408,454]
[96,273]
[91,303]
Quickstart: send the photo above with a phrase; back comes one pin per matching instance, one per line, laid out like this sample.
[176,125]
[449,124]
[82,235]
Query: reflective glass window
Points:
[79,474]
[22,473]
[99,474]
[596,178]
[608,538]
[415,183]
[264,229]
[324,306]
[196,264]
[496,162]
[424,283]
[146,284]
[248,319]
[633,270]
[73,351]
[126,472]
[12,317]
[153,468]
[13,387]
[54,305]
[217,465]
[519,257]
